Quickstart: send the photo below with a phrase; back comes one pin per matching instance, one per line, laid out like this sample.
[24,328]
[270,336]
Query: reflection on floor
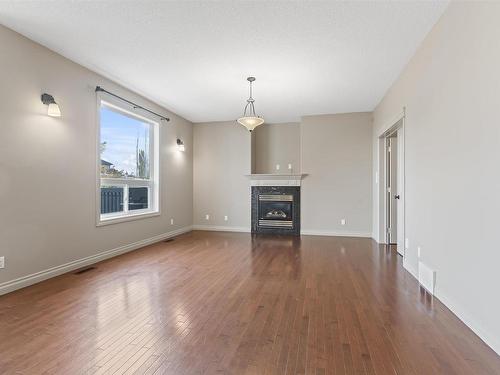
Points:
[236,304]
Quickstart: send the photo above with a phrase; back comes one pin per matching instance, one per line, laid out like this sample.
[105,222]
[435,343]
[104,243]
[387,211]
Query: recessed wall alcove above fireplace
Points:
[276,203]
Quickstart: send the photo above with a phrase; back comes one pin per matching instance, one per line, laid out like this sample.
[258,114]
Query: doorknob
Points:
[397,196]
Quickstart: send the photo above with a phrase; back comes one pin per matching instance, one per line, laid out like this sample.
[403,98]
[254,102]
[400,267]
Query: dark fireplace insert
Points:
[275,209]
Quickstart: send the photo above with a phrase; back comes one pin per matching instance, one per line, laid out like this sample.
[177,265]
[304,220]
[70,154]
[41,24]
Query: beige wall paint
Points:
[222,158]
[451,91]
[48,165]
[277,144]
[336,154]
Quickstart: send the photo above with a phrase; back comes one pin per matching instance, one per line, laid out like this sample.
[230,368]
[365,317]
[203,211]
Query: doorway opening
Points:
[391,208]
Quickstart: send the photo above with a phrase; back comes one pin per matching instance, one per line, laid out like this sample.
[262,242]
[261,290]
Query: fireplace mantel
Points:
[274,179]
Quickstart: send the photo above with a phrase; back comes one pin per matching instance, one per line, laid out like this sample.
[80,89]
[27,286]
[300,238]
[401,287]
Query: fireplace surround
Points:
[276,209]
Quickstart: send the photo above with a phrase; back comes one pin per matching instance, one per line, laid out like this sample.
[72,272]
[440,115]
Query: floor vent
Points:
[426,277]
[83,270]
[169,240]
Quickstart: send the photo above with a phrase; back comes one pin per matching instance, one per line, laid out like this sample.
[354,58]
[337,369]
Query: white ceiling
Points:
[193,56]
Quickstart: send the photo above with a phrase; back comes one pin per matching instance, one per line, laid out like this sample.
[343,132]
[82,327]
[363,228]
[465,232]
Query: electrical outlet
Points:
[342,222]
[407,243]
[2,262]
[171,221]
[207,217]
[418,251]
[225,218]
[277,167]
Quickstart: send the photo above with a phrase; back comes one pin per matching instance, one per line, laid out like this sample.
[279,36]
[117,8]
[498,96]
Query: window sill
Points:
[122,219]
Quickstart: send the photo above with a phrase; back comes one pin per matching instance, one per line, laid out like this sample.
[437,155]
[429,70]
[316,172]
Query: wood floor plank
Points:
[233,303]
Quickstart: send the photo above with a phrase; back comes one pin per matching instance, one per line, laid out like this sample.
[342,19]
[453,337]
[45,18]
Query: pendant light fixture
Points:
[250,120]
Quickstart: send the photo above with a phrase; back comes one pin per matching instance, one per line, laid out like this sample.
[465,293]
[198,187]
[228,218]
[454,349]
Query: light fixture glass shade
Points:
[54,110]
[180,145]
[250,122]
[249,119]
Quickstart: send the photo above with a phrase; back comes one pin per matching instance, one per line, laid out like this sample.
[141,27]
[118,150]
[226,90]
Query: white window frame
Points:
[153,183]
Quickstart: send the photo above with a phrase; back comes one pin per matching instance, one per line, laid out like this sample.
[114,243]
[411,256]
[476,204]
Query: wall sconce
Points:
[53,109]
[180,145]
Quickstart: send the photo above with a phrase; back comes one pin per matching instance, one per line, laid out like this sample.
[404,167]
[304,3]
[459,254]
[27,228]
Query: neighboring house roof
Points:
[104,162]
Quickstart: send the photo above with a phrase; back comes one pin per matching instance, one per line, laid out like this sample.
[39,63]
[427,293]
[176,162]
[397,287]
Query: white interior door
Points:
[400,192]
[392,194]
[392,189]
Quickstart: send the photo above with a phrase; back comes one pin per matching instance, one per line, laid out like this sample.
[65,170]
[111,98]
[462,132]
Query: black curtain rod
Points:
[99,88]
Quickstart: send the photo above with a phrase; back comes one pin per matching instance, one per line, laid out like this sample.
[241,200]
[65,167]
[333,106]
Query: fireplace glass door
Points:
[275,210]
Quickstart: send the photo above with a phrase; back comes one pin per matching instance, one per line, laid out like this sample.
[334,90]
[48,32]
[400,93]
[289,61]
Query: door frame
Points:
[396,125]
[391,155]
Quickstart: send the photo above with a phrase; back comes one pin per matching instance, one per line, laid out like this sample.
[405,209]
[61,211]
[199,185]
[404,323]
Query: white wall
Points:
[48,165]
[222,158]
[451,91]
[277,144]
[336,154]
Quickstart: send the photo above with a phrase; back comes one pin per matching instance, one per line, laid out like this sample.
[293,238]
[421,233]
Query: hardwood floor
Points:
[229,303]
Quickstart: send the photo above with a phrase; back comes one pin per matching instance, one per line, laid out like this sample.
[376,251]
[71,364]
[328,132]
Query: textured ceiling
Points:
[193,57]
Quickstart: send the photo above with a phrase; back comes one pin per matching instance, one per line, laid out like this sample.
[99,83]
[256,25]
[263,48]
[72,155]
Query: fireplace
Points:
[276,209]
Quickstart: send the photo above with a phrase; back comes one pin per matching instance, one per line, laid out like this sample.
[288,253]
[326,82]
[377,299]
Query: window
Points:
[128,163]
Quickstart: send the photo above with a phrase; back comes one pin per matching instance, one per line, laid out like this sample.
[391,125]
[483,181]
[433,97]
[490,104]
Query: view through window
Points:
[127,163]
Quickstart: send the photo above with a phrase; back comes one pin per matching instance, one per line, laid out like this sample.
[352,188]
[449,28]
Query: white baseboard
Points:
[460,313]
[24,281]
[490,340]
[313,232]
[407,266]
[220,228]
